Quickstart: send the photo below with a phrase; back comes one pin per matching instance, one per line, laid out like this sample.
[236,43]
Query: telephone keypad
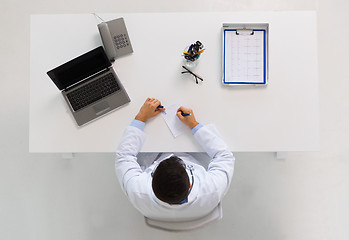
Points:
[121,41]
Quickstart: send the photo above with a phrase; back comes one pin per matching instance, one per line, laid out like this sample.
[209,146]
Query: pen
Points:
[185,114]
[160,106]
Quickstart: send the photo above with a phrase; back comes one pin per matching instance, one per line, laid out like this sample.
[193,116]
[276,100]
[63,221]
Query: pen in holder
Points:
[192,54]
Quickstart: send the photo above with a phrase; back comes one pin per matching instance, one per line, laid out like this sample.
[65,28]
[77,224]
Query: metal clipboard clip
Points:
[244,31]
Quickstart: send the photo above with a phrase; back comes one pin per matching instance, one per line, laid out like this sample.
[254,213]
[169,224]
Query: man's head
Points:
[170,181]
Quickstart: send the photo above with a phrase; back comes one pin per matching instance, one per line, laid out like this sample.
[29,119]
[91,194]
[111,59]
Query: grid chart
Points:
[244,57]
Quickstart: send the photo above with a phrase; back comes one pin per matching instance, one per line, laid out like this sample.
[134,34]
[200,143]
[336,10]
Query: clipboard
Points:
[245,55]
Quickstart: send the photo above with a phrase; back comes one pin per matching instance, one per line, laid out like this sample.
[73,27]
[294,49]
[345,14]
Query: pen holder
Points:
[192,54]
[191,62]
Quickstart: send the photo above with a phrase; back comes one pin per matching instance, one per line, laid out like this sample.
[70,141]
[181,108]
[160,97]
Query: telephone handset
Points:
[115,38]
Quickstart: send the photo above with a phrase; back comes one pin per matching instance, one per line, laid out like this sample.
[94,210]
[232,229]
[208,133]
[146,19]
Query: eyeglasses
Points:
[195,75]
[190,168]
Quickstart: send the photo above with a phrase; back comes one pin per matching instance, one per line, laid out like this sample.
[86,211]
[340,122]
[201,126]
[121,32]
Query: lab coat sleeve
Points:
[126,165]
[221,168]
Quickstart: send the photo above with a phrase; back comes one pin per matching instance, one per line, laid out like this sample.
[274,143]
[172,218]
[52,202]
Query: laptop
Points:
[89,85]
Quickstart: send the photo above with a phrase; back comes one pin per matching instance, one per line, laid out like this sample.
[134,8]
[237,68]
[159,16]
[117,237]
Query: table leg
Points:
[281,155]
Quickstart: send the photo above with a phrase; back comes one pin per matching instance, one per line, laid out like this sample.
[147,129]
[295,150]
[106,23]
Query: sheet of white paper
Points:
[174,124]
[244,57]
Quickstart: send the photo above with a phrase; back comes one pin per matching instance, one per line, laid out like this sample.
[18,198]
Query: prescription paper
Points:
[174,124]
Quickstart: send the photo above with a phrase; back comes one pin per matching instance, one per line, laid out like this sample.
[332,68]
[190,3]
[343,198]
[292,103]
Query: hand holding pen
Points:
[186,115]
[149,109]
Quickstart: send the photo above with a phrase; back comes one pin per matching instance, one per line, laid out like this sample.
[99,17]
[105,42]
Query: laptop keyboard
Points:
[93,91]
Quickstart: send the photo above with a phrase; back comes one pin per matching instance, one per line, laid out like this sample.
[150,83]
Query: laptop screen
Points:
[79,68]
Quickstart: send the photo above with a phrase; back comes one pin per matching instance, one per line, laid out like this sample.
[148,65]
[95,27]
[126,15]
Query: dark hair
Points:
[170,181]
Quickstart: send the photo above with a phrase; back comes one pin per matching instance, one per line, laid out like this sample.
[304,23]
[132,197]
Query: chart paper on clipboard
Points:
[245,56]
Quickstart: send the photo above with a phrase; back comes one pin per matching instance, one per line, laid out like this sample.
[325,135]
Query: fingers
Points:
[153,103]
[156,103]
[189,119]
[149,109]
[184,110]
[179,115]
[158,112]
[150,100]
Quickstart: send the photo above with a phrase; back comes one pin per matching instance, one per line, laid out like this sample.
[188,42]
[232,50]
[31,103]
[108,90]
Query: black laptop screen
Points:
[79,68]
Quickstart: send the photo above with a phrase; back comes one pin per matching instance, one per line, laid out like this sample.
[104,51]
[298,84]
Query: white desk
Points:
[280,117]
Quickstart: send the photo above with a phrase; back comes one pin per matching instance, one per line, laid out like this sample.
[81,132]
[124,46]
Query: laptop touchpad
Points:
[101,107]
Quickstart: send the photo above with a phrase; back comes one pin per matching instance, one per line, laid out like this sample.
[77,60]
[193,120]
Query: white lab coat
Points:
[209,185]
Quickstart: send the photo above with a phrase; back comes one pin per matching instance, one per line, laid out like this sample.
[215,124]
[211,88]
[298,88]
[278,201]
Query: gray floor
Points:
[43,196]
